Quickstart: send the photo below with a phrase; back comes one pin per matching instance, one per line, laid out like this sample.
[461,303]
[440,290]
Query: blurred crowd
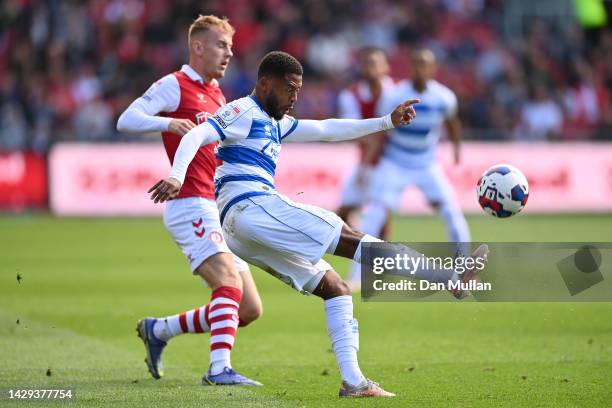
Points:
[69,68]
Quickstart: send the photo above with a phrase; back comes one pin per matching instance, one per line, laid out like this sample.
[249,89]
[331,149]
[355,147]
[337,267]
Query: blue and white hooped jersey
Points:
[415,145]
[249,148]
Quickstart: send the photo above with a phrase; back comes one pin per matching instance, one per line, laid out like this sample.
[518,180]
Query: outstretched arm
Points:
[169,188]
[332,130]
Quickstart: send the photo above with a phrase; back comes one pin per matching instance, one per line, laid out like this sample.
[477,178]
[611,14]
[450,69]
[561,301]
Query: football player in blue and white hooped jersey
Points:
[410,156]
[283,237]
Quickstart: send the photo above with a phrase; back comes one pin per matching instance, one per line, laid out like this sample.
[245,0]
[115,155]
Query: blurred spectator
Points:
[541,117]
[68,67]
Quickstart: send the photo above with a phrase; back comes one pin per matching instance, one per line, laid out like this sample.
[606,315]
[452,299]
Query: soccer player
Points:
[410,156]
[174,105]
[360,101]
[286,238]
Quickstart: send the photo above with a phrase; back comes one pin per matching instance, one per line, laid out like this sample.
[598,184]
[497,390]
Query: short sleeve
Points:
[287,125]
[450,103]
[162,96]
[232,121]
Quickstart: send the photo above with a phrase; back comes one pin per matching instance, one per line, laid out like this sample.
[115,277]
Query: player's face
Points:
[424,65]
[374,66]
[282,95]
[213,48]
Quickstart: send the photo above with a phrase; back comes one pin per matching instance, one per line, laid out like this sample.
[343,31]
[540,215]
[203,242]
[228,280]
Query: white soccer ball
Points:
[502,190]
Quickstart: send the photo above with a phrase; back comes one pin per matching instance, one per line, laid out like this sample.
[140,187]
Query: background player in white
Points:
[410,156]
[360,101]
[173,106]
[286,238]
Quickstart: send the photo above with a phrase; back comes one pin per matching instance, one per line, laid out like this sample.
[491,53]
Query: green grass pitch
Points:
[71,320]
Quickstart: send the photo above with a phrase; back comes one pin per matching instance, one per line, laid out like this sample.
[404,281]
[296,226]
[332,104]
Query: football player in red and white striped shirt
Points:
[174,105]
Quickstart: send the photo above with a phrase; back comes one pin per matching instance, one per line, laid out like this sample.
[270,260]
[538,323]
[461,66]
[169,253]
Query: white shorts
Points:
[354,191]
[193,223]
[285,238]
[389,180]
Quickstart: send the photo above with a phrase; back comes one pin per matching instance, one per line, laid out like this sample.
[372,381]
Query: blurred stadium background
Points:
[534,83]
[524,71]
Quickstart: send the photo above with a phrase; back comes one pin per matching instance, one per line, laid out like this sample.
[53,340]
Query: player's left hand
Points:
[165,190]
[404,113]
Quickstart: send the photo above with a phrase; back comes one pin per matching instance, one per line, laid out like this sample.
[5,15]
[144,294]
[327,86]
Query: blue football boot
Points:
[153,345]
[228,377]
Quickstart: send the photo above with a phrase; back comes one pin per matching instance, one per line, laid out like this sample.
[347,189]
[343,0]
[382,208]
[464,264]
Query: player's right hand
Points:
[404,113]
[165,190]
[180,126]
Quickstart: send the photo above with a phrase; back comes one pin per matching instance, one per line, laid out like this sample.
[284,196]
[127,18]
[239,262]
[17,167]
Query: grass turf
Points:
[85,282]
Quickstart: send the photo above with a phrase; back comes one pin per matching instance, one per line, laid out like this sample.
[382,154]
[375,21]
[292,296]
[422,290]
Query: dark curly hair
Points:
[278,64]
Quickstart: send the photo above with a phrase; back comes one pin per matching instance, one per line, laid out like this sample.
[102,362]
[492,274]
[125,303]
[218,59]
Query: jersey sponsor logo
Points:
[220,121]
[272,150]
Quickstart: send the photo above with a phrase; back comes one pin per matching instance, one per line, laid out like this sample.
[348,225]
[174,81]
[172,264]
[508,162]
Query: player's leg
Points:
[251,307]
[343,330]
[350,245]
[383,197]
[194,225]
[439,193]
[288,239]
[351,196]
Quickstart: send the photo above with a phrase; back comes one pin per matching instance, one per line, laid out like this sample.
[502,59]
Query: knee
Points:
[249,313]
[218,271]
[339,288]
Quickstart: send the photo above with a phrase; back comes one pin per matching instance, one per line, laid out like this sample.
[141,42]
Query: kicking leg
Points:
[375,218]
[349,246]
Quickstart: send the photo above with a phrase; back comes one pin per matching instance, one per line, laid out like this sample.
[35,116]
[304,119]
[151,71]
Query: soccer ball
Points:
[502,191]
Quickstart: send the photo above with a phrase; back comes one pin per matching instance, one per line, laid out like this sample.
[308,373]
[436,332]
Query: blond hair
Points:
[203,23]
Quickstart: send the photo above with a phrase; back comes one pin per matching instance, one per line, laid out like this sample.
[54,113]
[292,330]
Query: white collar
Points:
[191,73]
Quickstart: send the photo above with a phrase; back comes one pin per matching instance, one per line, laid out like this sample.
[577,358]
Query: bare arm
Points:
[453,128]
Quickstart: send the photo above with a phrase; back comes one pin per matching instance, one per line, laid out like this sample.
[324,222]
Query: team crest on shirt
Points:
[216,237]
[201,97]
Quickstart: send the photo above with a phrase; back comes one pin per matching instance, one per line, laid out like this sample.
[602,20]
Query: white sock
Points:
[191,321]
[430,274]
[167,328]
[219,359]
[457,229]
[373,219]
[344,333]
[364,239]
[355,268]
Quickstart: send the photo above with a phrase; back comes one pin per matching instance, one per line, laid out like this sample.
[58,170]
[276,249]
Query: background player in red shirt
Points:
[174,105]
[360,101]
